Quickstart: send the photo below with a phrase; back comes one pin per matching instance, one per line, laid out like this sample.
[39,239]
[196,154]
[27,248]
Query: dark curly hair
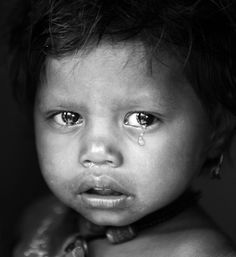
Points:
[200,33]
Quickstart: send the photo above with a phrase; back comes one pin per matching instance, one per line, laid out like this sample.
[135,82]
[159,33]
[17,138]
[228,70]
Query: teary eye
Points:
[140,119]
[67,118]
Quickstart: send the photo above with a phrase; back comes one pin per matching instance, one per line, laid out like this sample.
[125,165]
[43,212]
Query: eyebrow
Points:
[157,107]
[155,99]
[61,101]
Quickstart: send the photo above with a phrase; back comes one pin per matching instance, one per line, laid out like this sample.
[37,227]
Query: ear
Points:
[222,132]
[217,144]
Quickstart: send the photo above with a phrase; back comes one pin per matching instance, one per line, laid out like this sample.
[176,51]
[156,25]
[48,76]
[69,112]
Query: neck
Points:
[118,235]
[125,233]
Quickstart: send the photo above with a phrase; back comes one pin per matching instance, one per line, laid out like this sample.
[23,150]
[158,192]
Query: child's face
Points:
[90,112]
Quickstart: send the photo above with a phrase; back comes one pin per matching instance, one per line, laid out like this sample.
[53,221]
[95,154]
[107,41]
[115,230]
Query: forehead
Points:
[118,58]
[115,67]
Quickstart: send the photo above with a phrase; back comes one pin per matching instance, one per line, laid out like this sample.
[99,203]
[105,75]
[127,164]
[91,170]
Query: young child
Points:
[131,100]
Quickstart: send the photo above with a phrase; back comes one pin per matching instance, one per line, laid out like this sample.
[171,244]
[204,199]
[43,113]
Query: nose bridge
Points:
[100,144]
[100,130]
[100,127]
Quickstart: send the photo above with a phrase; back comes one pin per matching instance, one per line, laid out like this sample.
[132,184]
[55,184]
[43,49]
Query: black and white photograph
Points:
[118,128]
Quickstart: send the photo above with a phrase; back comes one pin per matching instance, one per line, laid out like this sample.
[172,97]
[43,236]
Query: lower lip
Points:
[106,202]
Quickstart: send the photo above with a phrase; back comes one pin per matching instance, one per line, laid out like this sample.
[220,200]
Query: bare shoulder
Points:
[198,236]
[36,212]
[34,223]
[205,242]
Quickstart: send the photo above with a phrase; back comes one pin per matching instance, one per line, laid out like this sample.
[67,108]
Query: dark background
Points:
[20,179]
[21,182]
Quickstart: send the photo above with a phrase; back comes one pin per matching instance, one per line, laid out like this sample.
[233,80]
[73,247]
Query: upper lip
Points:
[104,182]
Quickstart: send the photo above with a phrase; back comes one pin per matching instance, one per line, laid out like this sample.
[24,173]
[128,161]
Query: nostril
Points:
[91,164]
[100,155]
[88,164]
[110,163]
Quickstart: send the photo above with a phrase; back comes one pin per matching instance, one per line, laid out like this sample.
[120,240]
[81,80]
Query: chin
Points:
[104,218]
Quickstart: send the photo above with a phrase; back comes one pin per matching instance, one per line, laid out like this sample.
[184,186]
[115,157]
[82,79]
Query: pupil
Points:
[143,119]
[69,118]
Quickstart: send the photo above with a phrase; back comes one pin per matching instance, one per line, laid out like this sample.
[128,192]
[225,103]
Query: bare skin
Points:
[87,126]
[191,234]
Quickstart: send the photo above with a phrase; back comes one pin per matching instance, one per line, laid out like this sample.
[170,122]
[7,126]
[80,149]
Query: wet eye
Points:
[140,119]
[68,119]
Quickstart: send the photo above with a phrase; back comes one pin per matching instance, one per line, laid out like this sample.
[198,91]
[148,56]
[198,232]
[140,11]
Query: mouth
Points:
[104,193]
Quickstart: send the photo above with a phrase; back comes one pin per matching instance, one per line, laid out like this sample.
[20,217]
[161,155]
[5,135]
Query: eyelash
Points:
[62,119]
[143,119]
[136,119]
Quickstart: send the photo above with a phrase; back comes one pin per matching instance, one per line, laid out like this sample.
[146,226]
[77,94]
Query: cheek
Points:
[169,161]
[56,156]
[56,166]
[184,143]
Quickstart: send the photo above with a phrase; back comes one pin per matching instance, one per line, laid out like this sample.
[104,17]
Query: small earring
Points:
[215,171]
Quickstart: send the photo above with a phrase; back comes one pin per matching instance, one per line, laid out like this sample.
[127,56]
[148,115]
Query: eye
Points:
[140,119]
[68,119]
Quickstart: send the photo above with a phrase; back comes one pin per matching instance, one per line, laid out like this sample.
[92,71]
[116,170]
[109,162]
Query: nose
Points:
[100,152]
